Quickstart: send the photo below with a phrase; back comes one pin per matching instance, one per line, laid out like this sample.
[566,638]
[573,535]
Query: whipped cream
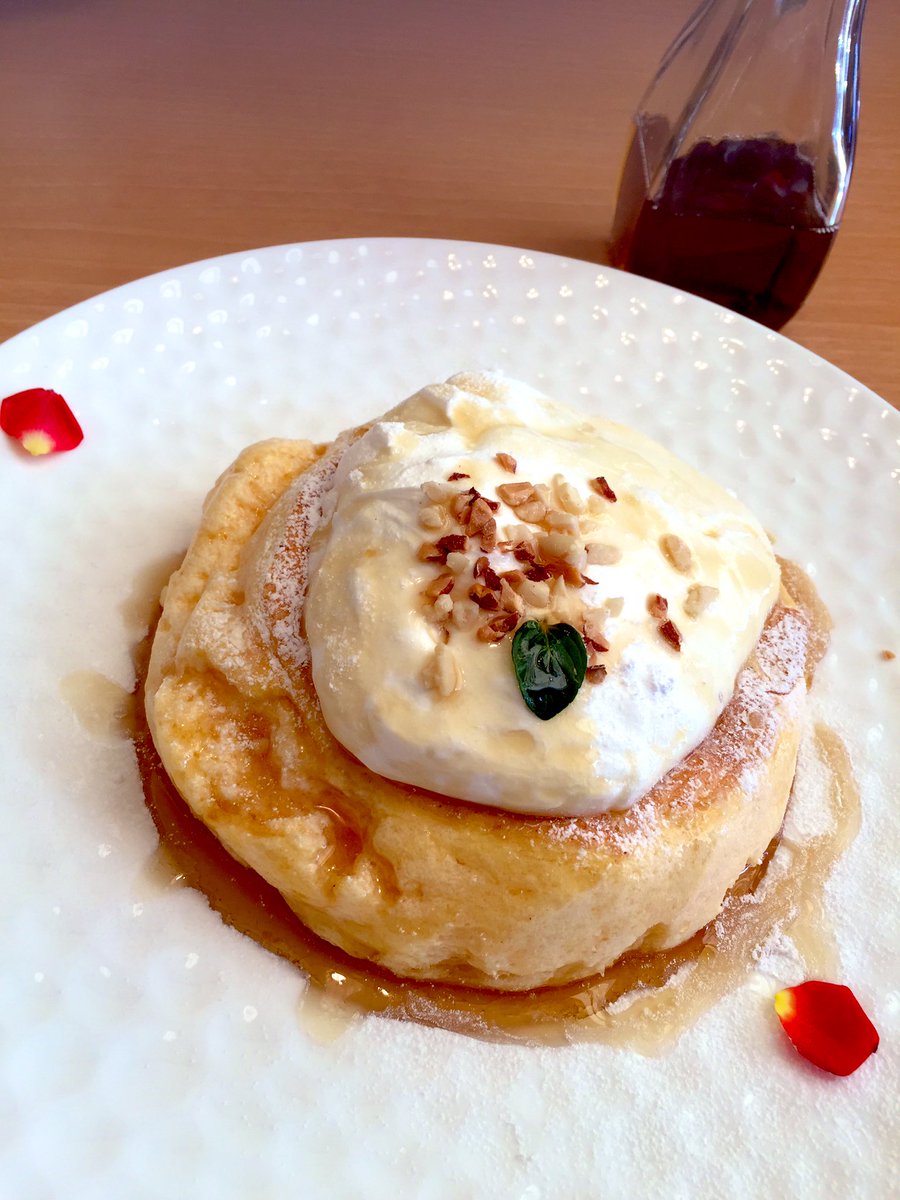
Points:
[374,641]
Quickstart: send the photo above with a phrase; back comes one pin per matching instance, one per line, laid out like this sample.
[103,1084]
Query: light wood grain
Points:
[139,134]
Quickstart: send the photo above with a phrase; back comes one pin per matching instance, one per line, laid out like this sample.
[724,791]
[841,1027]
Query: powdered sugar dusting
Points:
[280,619]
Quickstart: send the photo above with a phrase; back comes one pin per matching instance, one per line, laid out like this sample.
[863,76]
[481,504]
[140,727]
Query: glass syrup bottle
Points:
[737,173]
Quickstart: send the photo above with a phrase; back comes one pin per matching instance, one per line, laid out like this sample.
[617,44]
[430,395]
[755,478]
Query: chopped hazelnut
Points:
[451,543]
[457,475]
[671,634]
[483,596]
[507,462]
[557,519]
[488,538]
[515,494]
[699,597]
[438,492]
[536,594]
[596,674]
[600,554]
[602,488]
[613,606]
[497,628]
[657,606]
[556,545]
[479,515]
[534,511]
[676,552]
[457,563]
[440,586]
[568,496]
[432,517]
[441,672]
[510,600]
[460,505]
[593,630]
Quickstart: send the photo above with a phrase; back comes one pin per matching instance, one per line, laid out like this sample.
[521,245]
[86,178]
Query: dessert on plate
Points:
[492,691]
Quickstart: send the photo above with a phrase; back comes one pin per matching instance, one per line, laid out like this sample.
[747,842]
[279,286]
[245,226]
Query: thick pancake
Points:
[428,888]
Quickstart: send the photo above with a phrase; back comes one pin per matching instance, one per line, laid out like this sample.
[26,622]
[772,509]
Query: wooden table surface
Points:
[139,134]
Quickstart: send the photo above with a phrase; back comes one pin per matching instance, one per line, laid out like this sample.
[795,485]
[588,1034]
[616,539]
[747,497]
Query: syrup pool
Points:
[644,1001]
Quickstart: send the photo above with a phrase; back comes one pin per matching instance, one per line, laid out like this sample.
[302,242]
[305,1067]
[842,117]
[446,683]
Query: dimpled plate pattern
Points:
[147,1050]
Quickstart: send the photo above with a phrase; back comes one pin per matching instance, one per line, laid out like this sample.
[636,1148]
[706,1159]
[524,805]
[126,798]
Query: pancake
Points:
[427,885]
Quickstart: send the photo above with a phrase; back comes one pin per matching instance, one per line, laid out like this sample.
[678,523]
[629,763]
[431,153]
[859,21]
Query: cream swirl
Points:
[420,698]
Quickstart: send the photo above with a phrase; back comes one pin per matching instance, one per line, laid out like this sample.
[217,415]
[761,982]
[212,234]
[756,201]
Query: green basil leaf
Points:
[550,662]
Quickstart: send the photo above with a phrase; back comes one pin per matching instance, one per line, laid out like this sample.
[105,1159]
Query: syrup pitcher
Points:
[737,173]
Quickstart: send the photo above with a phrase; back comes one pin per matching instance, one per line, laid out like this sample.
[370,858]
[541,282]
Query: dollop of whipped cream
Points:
[418,695]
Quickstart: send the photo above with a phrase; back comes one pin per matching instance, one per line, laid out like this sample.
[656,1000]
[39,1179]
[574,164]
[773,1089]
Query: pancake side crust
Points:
[429,888]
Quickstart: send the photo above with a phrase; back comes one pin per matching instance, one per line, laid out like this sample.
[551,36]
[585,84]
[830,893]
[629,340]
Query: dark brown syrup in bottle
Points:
[737,221]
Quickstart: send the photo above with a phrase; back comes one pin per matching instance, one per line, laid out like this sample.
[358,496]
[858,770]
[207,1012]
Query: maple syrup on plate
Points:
[643,1001]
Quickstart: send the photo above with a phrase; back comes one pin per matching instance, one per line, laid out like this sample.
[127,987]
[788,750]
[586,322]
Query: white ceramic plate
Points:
[148,1051]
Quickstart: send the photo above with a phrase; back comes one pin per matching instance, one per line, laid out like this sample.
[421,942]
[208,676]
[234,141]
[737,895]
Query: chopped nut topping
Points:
[613,606]
[460,505]
[596,674]
[513,578]
[451,543]
[491,579]
[534,511]
[438,492]
[440,586]
[657,606]
[538,572]
[699,597]
[888,655]
[457,475]
[671,634]
[524,552]
[484,597]
[556,545]
[568,496]
[507,462]
[479,515]
[515,494]
[457,562]
[498,627]
[676,552]
[428,552]
[432,517]
[441,673]
[557,519]
[535,594]
[488,540]
[510,600]
[572,575]
[519,533]
[602,488]
[600,554]
[593,630]
[443,606]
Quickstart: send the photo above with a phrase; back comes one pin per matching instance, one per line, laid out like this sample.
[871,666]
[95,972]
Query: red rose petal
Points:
[41,420]
[827,1025]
